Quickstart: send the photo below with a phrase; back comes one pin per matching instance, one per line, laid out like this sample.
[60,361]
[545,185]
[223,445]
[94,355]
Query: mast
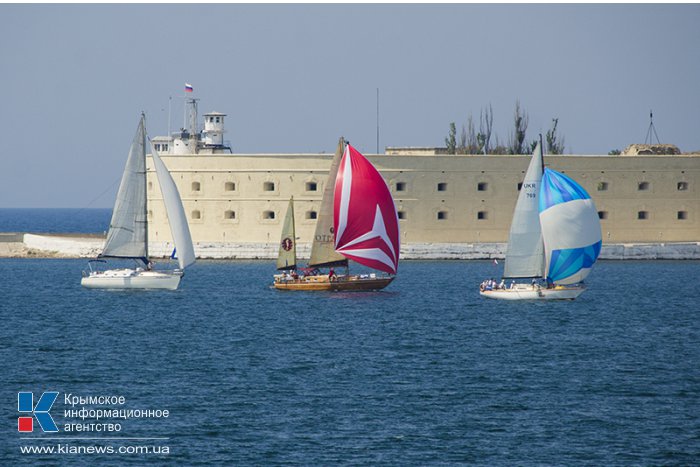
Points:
[145,187]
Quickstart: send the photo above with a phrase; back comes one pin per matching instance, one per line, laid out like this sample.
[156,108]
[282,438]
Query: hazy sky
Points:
[295,78]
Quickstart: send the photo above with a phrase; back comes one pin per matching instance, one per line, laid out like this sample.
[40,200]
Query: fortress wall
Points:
[476,204]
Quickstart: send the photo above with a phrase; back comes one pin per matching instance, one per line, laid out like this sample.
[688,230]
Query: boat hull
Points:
[132,279]
[535,293]
[323,283]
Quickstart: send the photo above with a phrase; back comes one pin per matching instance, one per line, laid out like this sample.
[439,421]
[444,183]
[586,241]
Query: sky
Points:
[294,78]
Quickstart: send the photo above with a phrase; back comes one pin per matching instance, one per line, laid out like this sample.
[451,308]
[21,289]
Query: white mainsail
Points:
[128,228]
[525,253]
[176,213]
[323,247]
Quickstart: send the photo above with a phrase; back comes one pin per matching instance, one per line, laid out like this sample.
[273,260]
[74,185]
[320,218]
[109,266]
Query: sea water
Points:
[51,220]
[424,372]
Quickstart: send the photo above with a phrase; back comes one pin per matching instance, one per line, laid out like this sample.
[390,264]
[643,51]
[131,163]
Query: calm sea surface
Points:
[50,220]
[424,372]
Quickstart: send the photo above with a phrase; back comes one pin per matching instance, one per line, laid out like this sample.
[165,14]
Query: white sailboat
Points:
[128,231]
[555,238]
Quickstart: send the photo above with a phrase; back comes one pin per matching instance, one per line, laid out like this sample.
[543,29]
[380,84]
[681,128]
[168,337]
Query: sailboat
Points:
[357,221]
[555,238]
[128,230]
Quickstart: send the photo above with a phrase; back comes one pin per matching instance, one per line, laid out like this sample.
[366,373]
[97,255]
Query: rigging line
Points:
[99,196]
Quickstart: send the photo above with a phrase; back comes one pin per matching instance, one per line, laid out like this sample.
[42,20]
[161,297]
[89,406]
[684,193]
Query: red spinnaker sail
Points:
[364,216]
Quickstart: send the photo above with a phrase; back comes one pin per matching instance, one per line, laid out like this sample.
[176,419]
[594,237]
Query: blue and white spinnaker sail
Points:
[570,228]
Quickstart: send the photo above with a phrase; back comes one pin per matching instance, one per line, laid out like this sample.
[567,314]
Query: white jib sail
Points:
[525,253]
[179,228]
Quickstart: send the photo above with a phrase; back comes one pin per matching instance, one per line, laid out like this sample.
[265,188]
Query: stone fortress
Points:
[449,205]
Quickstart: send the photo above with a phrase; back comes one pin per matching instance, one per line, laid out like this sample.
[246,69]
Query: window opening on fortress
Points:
[682,186]
[269,186]
[442,215]
[643,186]
[602,214]
[682,215]
[520,186]
[602,186]
[196,186]
[482,186]
[311,214]
[311,186]
[196,214]
[482,215]
[400,186]
[268,214]
[229,214]
[401,215]
[442,186]
[230,186]
[642,215]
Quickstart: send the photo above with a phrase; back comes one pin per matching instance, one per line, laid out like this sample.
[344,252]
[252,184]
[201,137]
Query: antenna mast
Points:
[651,131]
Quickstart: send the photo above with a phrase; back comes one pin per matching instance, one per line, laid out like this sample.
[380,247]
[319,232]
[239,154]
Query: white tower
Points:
[213,134]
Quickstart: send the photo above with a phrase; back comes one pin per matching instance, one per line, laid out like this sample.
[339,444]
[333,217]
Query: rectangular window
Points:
[643,186]
[682,215]
[311,186]
[642,215]
[269,186]
[442,186]
[482,215]
[482,186]
[682,186]
[602,214]
[400,186]
[442,215]
[602,186]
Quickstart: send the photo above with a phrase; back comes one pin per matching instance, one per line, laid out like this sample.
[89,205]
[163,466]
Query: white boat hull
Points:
[132,279]
[535,293]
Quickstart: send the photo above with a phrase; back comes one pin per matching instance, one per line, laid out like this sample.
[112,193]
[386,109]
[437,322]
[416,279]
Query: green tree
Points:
[451,140]
[517,143]
[555,143]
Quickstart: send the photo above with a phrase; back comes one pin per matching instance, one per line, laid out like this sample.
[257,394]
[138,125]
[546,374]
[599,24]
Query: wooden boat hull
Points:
[322,283]
[132,279]
[523,292]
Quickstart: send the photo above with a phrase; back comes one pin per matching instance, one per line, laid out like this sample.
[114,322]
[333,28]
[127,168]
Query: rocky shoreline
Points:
[27,245]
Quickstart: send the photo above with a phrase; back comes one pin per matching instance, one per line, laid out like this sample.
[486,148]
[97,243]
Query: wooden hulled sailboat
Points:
[128,230]
[555,238]
[357,221]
